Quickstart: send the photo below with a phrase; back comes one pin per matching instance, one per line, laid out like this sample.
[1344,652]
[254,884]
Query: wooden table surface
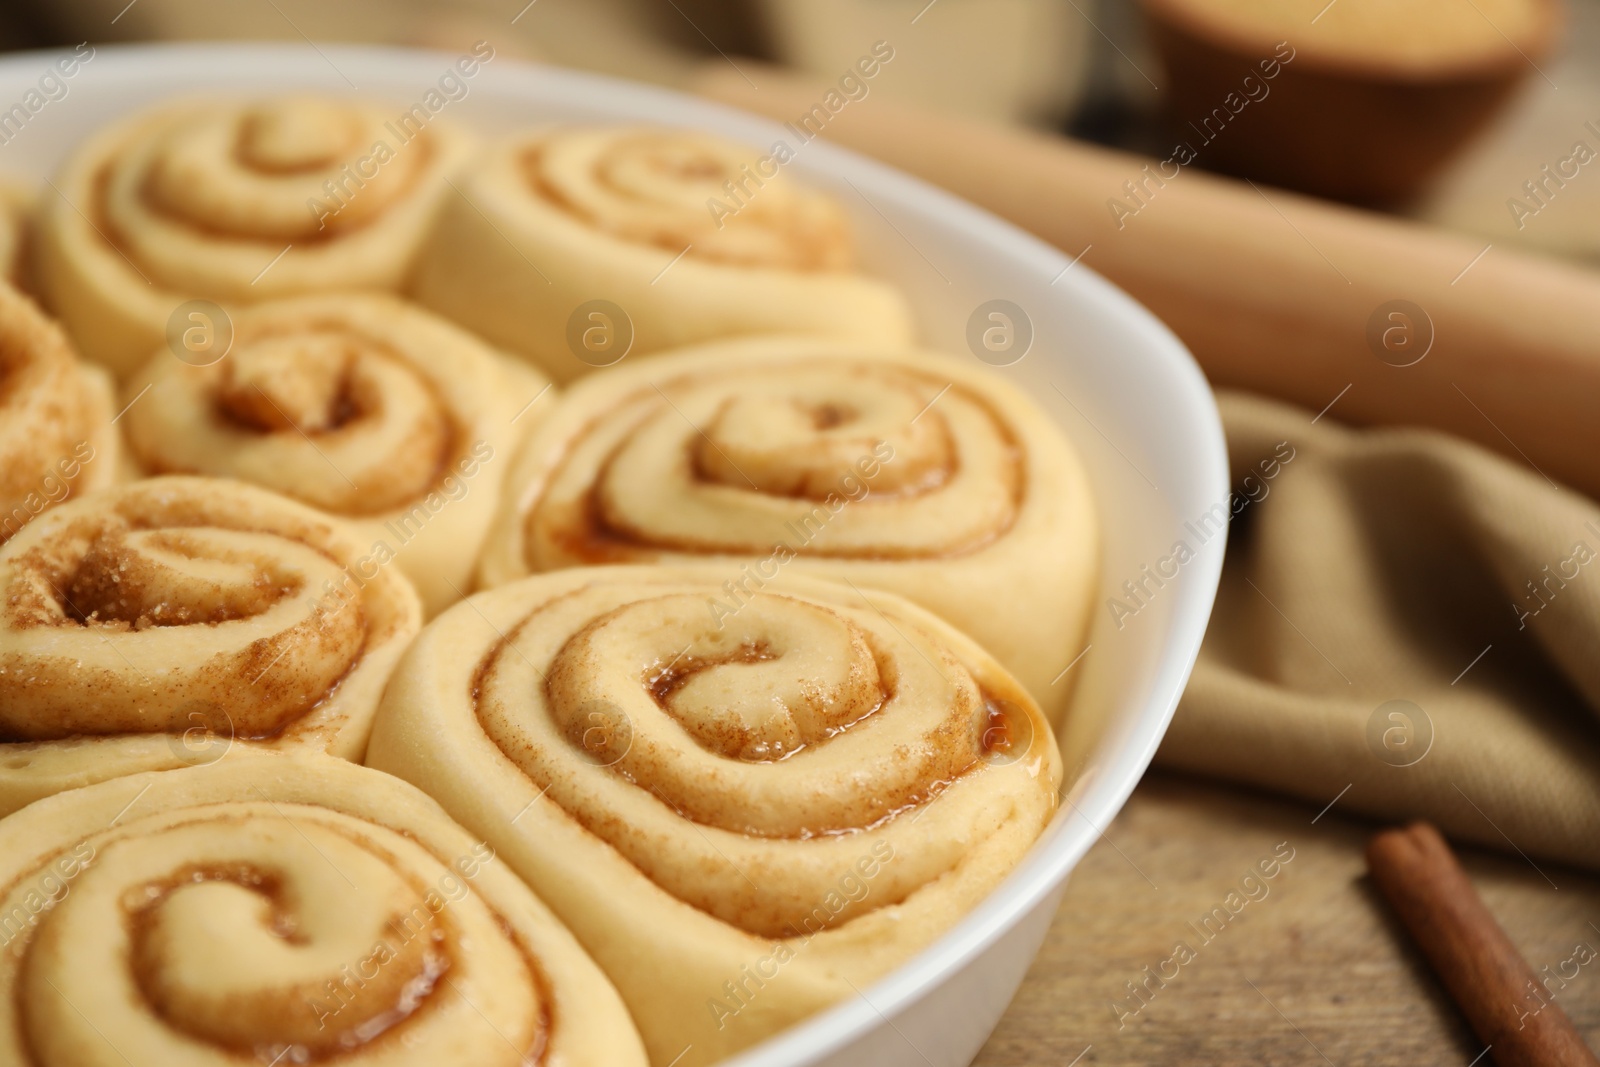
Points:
[1314,970]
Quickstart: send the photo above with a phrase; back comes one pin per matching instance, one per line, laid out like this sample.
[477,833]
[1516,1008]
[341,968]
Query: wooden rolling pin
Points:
[1273,292]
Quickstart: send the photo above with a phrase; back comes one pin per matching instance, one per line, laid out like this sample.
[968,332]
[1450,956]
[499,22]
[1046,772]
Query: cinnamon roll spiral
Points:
[817,784]
[235,202]
[361,406]
[906,471]
[276,909]
[56,438]
[692,237]
[153,625]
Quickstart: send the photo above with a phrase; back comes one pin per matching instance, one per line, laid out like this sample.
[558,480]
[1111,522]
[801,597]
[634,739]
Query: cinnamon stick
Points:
[1493,985]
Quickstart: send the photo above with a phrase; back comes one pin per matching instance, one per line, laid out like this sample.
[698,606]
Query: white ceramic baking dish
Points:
[1121,385]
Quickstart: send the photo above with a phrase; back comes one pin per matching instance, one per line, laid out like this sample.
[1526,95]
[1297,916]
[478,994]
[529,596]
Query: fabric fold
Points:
[1414,618]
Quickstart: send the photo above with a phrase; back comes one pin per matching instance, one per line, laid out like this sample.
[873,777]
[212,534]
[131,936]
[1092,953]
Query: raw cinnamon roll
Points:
[359,405]
[283,910]
[157,624]
[691,237]
[56,438]
[744,817]
[906,471]
[237,203]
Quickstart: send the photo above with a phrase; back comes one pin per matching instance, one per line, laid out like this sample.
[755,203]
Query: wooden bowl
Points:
[1358,100]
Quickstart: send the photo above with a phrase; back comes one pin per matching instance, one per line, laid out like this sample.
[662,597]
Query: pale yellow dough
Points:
[744,818]
[360,405]
[909,471]
[56,437]
[553,220]
[236,203]
[160,624]
[281,908]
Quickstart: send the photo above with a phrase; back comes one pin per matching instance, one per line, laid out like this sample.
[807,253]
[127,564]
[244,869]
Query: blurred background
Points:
[1450,111]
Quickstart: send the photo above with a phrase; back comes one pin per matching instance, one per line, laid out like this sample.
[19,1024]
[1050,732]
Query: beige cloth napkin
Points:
[1389,565]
